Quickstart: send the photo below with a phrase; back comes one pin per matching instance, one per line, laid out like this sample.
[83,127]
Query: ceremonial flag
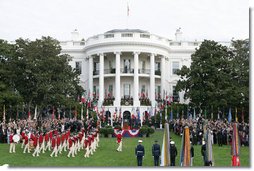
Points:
[212,113]
[236,117]
[171,114]
[128,9]
[4,114]
[53,114]
[87,113]
[81,113]
[58,111]
[235,148]
[209,147]
[29,113]
[194,114]
[242,114]
[35,112]
[185,158]
[229,115]
[83,97]
[205,113]
[165,151]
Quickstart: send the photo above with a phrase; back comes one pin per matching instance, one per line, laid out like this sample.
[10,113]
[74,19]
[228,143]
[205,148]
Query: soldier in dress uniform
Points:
[12,143]
[140,152]
[36,145]
[71,147]
[54,146]
[42,142]
[63,142]
[47,141]
[58,143]
[203,152]
[87,146]
[173,153]
[119,141]
[26,143]
[156,151]
[23,138]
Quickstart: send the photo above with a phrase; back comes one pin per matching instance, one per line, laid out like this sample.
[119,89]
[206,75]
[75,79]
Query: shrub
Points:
[143,130]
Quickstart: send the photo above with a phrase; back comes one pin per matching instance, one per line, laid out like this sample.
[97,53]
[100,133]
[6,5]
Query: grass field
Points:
[107,156]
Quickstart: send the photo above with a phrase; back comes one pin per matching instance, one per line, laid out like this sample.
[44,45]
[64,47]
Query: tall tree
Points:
[43,75]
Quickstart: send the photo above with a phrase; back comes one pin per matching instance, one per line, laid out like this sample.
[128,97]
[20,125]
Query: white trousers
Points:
[120,145]
[26,148]
[37,150]
[87,152]
[54,152]
[42,147]
[71,151]
[12,147]
[48,146]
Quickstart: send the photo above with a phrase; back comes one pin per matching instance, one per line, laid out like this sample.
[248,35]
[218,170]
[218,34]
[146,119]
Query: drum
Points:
[31,144]
[16,138]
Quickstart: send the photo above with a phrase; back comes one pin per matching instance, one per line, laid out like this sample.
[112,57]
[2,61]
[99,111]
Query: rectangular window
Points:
[108,36]
[175,95]
[78,67]
[94,91]
[143,66]
[145,36]
[127,88]
[127,65]
[96,68]
[110,90]
[157,66]
[175,67]
[143,89]
[127,35]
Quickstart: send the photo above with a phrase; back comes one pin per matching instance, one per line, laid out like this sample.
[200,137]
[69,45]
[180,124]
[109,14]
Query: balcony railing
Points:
[145,102]
[127,70]
[127,101]
[144,71]
[108,101]
[157,72]
[110,71]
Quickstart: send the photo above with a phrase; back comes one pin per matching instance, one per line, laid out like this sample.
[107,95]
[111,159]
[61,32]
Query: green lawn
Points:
[106,155]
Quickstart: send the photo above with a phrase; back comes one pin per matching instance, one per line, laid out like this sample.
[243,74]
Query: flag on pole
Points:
[165,151]
[194,114]
[4,114]
[83,97]
[29,113]
[53,114]
[87,113]
[185,158]
[81,113]
[229,115]
[58,111]
[35,112]
[212,113]
[235,147]
[171,114]
[209,147]
[236,117]
[128,10]
[242,114]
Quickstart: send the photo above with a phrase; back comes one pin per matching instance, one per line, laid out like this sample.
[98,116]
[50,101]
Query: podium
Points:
[126,124]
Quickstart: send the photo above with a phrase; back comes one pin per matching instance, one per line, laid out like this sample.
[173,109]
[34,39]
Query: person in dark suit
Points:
[203,152]
[192,153]
[173,153]
[156,150]
[140,152]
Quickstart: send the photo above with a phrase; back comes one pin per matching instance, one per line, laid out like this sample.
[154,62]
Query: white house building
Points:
[129,68]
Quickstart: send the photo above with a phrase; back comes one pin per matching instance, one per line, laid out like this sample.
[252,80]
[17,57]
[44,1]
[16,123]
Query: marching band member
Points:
[12,143]
[119,141]
[97,137]
[54,146]
[86,144]
[26,144]
[90,144]
[23,138]
[80,137]
[47,141]
[71,147]
[42,142]
[36,145]
[63,143]
[58,143]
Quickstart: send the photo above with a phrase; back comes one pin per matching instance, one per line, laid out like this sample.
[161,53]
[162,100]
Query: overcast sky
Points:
[199,19]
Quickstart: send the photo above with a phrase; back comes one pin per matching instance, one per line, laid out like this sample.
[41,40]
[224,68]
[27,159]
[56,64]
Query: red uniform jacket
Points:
[119,138]
[86,143]
[47,137]
[63,138]
[89,141]
[23,135]
[11,138]
[26,139]
[70,143]
[80,136]
[58,140]
[40,138]
[35,139]
[50,135]
[53,141]
[55,132]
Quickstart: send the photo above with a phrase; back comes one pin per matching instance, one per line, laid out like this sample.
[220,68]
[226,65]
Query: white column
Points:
[136,101]
[162,76]
[101,80]
[152,80]
[90,77]
[117,81]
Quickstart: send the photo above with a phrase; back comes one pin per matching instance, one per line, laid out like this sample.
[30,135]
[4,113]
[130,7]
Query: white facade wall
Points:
[111,43]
